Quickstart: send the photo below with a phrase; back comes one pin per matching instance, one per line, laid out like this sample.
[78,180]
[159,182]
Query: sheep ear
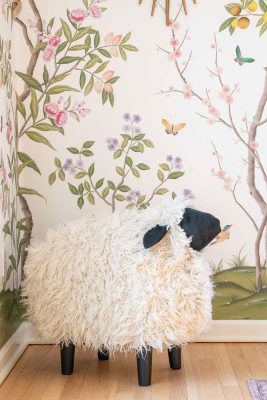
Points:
[154,235]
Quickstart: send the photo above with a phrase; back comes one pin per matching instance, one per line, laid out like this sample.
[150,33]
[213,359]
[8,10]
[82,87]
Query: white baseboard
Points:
[220,331]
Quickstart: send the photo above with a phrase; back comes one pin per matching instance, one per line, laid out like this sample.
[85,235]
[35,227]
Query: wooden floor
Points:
[210,372]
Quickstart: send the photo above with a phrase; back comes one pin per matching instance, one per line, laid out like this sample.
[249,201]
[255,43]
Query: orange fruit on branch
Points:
[235,10]
[243,22]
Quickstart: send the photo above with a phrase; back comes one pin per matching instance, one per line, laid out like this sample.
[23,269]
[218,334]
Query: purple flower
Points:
[126,128]
[79,164]
[137,130]
[136,118]
[169,158]
[129,199]
[68,164]
[137,193]
[127,117]
[112,143]
[72,170]
[188,194]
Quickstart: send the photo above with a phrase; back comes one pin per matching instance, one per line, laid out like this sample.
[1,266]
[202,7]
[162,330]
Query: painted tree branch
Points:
[257,250]
[25,34]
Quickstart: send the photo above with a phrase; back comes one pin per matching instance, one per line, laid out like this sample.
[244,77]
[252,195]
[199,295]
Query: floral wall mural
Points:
[107,112]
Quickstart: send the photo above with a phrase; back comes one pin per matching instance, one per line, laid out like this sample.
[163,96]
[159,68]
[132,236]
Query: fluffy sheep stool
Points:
[132,281]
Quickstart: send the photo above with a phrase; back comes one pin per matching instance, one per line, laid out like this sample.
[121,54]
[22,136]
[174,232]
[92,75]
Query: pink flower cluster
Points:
[187,93]
[52,43]
[113,41]
[57,111]
[78,15]
[226,179]
[225,94]
[103,84]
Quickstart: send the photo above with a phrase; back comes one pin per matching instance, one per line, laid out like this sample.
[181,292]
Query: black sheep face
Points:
[200,226]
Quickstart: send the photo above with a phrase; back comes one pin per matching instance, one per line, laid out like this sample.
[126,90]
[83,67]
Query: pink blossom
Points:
[78,15]
[174,25]
[206,102]
[95,11]
[113,41]
[219,70]
[253,145]
[98,86]
[226,89]
[54,41]
[49,53]
[212,45]
[227,184]
[221,174]
[187,94]
[174,42]
[175,54]
[4,199]
[51,109]
[214,111]
[229,99]
[61,118]
[108,88]
[116,40]
[211,121]
[108,75]
[83,111]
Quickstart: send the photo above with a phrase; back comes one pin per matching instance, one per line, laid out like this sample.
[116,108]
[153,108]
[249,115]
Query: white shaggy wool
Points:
[92,282]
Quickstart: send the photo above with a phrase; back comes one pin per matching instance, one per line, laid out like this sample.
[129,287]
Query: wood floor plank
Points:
[210,371]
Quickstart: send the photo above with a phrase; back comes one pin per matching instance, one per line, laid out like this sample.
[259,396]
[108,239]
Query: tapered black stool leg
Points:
[175,357]
[103,354]
[144,367]
[67,358]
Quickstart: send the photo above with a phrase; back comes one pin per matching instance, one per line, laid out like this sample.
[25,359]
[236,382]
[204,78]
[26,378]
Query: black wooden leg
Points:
[175,357]
[67,358]
[103,354]
[144,367]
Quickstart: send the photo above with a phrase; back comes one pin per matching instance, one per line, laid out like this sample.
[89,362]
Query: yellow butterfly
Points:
[173,129]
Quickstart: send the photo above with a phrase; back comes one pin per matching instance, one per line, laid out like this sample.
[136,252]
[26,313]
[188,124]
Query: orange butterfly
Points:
[173,129]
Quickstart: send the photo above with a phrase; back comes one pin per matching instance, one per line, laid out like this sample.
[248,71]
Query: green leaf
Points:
[87,186]
[37,137]
[263,5]
[60,89]
[61,175]
[126,38]
[80,202]
[247,60]
[175,175]
[119,197]
[143,166]
[61,47]
[111,99]
[99,183]
[105,192]
[33,192]
[80,188]
[91,198]
[13,261]
[88,144]
[104,96]
[263,29]
[120,171]
[81,33]
[161,191]
[129,47]
[30,81]
[104,53]
[60,77]
[96,40]
[174,195]
[78,47]
[148,143]
[129,161]
[68,60]
[51,179]
[260,22]
[34,105]
[226,23]
[89,86]
[123,54]
[57,162]
[136,173]
[117,153]
[113,80]
[238,52]
[20,106]
[46,127]
[80,175]
[101,67]
[45,75]
[6,228]
[66,30]
[91,170]
[160,175]
[139,137]
[87,153]
[124,188]
[73,150]
[91,63]
[82,79]
[165,167]
[111,185]
[73,189]
[141,199]
[28,161]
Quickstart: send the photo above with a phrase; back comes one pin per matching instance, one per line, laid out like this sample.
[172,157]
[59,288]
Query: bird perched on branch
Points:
[16,8]
[223,235]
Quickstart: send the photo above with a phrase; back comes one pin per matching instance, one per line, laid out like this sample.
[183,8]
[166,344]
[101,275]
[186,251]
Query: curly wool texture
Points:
[93,283]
